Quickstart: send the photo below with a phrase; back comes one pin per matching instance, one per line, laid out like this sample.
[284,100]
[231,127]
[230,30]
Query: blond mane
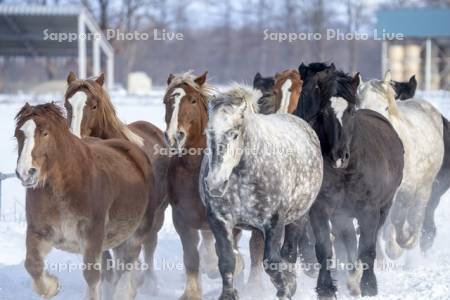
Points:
[188,78]
[108,113]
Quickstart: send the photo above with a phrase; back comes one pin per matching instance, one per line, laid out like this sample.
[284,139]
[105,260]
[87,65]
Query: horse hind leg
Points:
[415,218]
[44,284]
[429,226]
[107,277]
[127,277]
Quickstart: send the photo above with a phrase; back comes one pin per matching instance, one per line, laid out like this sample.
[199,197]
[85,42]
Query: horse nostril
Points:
[166,136]
[180,135]
[347,155]
[32,171]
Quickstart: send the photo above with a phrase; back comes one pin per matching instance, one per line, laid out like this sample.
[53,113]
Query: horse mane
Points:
[345,87]
[188,78]
[318,66]
[108,113]
[235,95]
[49,111]
[387,91]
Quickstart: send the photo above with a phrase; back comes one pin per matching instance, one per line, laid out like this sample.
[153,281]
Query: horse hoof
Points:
[190,297]
[229,296]
[50,288]
[426,241]
[393,251]
[150,286]
[327,298]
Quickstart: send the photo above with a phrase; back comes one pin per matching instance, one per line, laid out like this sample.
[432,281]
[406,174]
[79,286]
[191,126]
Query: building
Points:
[55,31]
[425,51]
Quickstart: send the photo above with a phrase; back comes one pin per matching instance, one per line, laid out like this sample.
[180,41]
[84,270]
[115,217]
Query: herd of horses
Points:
[295,159]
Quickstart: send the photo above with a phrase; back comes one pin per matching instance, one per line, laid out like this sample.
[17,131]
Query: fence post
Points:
[3,177]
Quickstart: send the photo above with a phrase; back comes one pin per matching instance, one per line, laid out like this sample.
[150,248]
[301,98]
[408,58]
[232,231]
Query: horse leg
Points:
[208,254]
[306,242]
[44,284]
[107,278]
[189,240]
[150,280]
[429,226]
[127,254]
[415,218]
[394,231]
[273,263]
[256,245]
[369,223]
[223,234]
[319,217]
[92,258]
[289,254]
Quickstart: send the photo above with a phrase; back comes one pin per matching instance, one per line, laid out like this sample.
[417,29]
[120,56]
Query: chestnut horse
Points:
[186,118]
[281,93]
[91,113]
[83,196]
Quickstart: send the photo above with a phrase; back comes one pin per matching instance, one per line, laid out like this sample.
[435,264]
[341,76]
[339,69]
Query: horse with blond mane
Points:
[90,112]
[83,196]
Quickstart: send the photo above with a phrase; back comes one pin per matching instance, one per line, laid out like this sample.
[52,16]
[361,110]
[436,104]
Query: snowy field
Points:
[413,277]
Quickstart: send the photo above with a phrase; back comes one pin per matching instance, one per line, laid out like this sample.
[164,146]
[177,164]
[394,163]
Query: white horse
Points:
[419,126]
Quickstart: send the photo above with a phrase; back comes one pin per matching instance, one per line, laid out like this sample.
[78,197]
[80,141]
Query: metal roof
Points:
[22,30]
[418,22]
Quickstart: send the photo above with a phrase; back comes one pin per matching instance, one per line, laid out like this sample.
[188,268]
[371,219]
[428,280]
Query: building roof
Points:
[24,28]
[417,22]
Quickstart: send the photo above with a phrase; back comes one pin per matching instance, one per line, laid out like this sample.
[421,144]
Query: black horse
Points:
[363,167]
[405,90]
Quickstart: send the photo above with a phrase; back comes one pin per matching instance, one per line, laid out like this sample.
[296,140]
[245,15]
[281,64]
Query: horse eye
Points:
[94,107]
[45,133]
[193,100]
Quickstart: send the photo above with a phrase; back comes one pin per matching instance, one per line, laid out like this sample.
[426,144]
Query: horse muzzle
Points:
[29,178]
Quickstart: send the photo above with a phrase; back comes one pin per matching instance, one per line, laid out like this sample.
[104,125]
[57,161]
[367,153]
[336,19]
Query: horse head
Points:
[225,135]
[186,110]
[331,101]
[405,90]
[41,132]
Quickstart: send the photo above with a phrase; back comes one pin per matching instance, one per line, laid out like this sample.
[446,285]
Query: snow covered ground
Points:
[414,277]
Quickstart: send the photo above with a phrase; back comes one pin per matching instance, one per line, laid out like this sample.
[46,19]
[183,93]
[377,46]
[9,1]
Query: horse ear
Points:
[170,78]
[413,81]
[200,80]
[100,79]
[303,69]
[387,77]
[361,81]
[332,67]
[356,80]
[256,80]
[71,77]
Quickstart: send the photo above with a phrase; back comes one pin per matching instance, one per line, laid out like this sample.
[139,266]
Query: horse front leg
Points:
[189,240]
[44,284]
[92,259]
[319,217]
[150,285]
[223,233]
[208,254]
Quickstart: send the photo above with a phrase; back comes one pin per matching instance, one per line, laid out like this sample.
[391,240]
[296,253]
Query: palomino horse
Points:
[420,127]
[281,93]
[261,172]
[83,196]
[91,113]
[363,165]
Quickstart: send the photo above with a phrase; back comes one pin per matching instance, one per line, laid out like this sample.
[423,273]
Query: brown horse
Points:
[284,94]
[91,113]
[83,196]
[186,118]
